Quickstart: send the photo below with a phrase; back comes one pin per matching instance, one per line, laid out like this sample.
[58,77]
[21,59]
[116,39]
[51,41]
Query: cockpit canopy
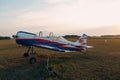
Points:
[45,34]
[51,36]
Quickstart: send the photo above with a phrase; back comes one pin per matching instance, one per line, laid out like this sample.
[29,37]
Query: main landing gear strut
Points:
[27,54]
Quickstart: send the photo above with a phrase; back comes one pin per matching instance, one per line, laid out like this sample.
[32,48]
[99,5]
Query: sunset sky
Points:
[93,17]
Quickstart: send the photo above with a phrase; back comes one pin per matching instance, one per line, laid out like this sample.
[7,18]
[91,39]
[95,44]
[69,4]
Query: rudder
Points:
[83,40]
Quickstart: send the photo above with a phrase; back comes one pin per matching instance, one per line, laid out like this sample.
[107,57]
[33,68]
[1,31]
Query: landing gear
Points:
[32,60]
[49,67]
[27,54]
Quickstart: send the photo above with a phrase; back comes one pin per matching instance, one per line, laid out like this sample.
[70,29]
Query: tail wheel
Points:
[50,69]
[32,60]
[84,51]
[26,55]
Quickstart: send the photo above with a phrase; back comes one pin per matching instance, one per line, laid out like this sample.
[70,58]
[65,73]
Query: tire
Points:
[32,60]
[50,69]
[26,55]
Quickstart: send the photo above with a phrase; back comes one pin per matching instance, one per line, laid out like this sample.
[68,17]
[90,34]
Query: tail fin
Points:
[83,40]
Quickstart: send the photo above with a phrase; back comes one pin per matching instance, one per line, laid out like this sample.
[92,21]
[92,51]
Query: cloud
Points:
[60,1]
[81,13]
[105,30]
[62,16]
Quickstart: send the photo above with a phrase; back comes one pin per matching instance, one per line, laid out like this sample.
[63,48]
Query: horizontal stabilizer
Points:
[87,46]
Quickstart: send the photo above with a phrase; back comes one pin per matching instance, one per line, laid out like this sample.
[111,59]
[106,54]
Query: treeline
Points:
[4,37]
[71,36]
[74,36]
[117,36]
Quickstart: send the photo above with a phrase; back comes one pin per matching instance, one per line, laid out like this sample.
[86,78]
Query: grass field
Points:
[101,62]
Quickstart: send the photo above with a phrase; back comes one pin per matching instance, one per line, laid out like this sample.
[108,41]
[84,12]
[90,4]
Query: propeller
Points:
[14,36]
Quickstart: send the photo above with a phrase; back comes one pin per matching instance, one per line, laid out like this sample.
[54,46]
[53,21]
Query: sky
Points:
[63,17]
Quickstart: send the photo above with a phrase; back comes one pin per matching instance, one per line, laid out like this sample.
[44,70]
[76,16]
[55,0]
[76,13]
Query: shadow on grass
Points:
[28,71]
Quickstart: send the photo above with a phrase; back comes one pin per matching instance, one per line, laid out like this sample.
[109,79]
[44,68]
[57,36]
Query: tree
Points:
[4,37]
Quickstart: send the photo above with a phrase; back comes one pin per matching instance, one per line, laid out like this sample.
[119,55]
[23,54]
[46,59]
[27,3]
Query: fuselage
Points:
[49,42]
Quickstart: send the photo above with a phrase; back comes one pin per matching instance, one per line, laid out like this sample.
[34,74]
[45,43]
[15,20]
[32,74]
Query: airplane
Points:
[52,42]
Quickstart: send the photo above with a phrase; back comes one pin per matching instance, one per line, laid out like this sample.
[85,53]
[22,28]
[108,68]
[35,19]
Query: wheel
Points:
[26,55]
[50,69]
[32,60]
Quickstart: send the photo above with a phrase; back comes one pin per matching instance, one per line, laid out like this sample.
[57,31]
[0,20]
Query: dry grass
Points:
[101,63]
